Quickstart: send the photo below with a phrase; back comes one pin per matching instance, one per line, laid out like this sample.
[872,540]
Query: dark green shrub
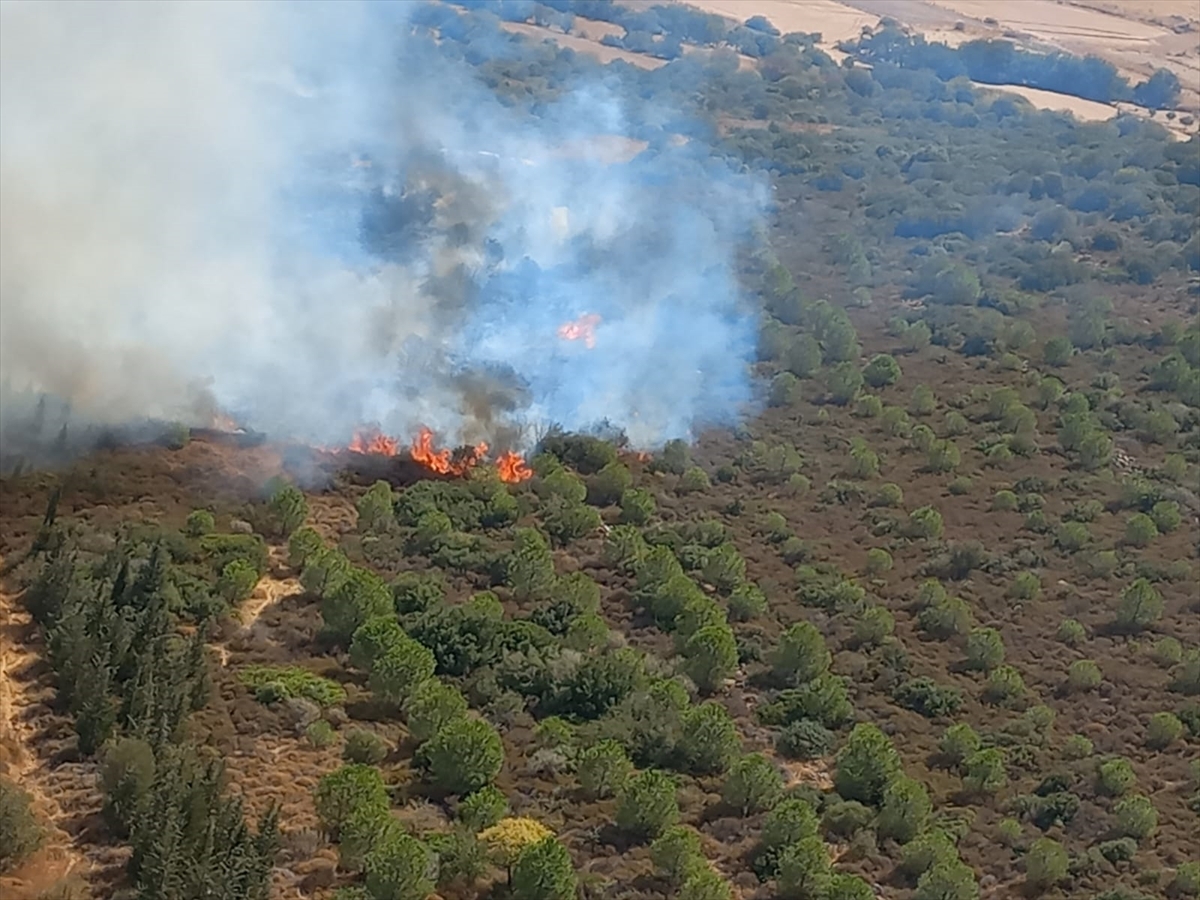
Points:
[647,805]
[881,371]
[925,696]
[804,739]
[364,747]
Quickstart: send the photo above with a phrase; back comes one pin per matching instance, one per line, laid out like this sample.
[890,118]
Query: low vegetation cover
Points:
[925,626]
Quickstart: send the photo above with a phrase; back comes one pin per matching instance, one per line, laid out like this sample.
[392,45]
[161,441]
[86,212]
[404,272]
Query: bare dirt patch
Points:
[61,793]
[582,43]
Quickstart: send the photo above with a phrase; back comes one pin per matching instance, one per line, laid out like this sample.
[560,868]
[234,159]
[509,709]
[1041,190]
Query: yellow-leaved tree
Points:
[507,838]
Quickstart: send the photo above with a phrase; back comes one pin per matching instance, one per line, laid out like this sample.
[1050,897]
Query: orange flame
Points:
[222,422]
[581,329]
[375,442]
[445,462]
[510,466]
[512,469]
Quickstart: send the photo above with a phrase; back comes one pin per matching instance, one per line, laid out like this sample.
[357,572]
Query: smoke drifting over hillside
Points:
[308,216]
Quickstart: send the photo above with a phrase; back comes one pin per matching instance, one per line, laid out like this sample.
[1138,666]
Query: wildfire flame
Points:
[510,466]
[374,442]
[581,329]
[222,422]
[444,462]
[512,469]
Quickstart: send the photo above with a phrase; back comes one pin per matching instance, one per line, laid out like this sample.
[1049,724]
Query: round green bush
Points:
[1004,501]
[804,739]
[1140,530]
[1083,675]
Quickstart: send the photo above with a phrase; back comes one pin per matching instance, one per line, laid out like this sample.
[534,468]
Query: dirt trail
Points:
[271,588]
[21,704]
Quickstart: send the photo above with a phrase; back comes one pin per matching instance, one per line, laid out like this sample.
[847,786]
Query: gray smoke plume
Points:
[312,217]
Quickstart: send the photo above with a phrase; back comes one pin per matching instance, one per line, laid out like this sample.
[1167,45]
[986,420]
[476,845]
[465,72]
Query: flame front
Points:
[374,442]
[222,422]
[445,462]
[512,469]
[581,329]
[510,466]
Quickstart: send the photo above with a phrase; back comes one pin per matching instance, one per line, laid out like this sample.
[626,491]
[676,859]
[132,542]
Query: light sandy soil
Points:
[835,21]
[1084,110]
[1137,41]
[23,759]
[271,588]
[581,44]
[1137,36]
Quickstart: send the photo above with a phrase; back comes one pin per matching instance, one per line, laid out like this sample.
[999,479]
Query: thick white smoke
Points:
[308,215]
